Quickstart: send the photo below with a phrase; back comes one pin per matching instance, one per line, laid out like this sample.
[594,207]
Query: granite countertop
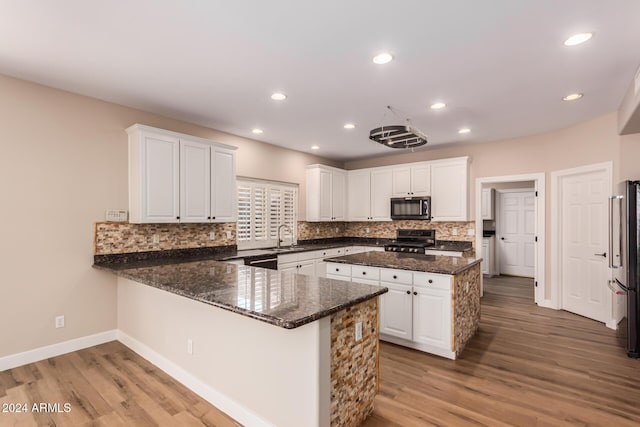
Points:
[283,299]
[415,262]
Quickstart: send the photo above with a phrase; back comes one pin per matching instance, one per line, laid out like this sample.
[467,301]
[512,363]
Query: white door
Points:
[432,317]
[339,195]
[195,190]
[381,189]
[584,222]
[223,185]
[396,311]
[516,232]
[359,199]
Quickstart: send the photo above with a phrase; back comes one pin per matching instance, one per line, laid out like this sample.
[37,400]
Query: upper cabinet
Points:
[487,203]
[368,194]
[326,193]
[179,178]
[449,189]
[412,180]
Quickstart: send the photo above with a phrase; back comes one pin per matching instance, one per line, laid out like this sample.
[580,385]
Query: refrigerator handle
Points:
[613,254]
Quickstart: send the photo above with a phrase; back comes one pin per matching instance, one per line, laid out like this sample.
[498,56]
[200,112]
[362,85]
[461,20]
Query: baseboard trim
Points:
[612,324]
[227,405]
[547,303]
[35,355]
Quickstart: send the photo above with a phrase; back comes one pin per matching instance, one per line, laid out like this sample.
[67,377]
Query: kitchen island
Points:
[266,347]
[433,303]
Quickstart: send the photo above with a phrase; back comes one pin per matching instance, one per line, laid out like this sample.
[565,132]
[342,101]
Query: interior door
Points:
[584,242]
[516,232]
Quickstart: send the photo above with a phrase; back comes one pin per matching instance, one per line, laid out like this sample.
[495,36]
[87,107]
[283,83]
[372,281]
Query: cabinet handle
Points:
[177,217]
[337,269]
[408,292]
[415,293]
[430,280]
[395,277]
[213,217]
[324,253]
[364,273]
[208,217]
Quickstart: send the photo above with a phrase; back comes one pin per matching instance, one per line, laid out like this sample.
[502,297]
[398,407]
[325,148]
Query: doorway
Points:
[579,222]
[537,217]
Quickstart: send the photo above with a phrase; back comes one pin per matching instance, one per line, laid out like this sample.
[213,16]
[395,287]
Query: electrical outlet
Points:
[59,322]
[317,230]
[471,232]
[189,346]
[337,229]
[367,230]
[229,235]
[358,331]
[212,235]
[156,239]
[454,231]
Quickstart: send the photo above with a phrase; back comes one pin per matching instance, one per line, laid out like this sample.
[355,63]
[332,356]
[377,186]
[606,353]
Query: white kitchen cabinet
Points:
[154,177]
[369,194]
[326,193]
[179,178]
[396,306]
[488,248]
[432,317]
[487,203]
[449,190]
[411,180]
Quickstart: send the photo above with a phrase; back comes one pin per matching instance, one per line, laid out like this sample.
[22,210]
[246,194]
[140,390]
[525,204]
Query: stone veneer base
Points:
[466,306]
[354,364]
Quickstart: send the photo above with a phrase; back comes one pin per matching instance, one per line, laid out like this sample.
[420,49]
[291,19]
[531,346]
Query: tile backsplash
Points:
[384,229]
[122,237]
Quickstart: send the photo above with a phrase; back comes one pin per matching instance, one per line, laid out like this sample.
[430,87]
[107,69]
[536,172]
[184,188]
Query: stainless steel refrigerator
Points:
[624,212]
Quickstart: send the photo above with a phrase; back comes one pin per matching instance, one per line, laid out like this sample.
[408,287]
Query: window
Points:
[262,207]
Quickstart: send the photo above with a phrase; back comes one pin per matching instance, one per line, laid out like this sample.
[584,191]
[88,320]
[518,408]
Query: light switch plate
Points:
[358,331]
[116,215]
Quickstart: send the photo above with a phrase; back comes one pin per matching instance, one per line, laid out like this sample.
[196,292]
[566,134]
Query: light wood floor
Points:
[527,366]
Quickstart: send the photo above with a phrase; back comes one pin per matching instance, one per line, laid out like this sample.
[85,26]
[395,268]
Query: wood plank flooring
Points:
[527,366]
[107,385]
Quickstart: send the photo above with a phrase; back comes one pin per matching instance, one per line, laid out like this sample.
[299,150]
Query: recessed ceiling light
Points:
[438,105]
[278,96]
[577,39]
[315,147]
[382,58]
[464,130]
[572,97]
[257,131]
[349,126]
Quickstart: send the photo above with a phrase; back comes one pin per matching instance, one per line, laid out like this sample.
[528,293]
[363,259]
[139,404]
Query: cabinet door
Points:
[307,268]
[449,191]
[381,191]
[160,189]
[487,203]
[421,180]
[401,181]
[339,195]
[320,268]
[396,311]
[325,196]
[223,185]
[485,256]
[195,189]
[432,317]
[359,196]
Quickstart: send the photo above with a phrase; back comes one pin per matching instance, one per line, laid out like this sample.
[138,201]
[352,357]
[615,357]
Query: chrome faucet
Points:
[285,226]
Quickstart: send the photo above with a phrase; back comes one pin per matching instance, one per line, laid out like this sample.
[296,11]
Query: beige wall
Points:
[63,163]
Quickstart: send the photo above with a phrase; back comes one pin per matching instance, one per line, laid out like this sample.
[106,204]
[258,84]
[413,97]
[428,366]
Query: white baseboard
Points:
[547,303]
[612,324]
[35,355]
[227,405]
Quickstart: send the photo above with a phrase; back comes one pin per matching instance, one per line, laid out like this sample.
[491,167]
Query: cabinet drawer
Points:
[285,259]
[326,253]
[433,281]
[396,276]
[304,256]
[369,273]
[336,269]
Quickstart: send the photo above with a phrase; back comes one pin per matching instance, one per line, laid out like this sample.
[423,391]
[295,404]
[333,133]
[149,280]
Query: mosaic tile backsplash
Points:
[122,237]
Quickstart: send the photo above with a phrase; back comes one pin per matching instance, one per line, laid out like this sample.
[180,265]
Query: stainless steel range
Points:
[412,241]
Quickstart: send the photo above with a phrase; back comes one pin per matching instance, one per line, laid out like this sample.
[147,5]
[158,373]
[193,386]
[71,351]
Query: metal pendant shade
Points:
[398,136]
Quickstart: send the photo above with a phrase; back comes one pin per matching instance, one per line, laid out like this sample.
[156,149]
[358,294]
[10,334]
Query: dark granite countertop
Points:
[415,262]
[281,298]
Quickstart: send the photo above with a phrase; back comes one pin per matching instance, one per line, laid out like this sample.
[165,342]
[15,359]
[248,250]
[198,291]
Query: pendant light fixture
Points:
[398,136]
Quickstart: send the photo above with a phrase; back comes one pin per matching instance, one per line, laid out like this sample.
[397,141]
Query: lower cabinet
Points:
[416,312]
[488,255]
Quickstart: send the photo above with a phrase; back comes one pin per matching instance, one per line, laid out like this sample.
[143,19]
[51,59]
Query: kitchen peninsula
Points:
[433,303]
[285,349]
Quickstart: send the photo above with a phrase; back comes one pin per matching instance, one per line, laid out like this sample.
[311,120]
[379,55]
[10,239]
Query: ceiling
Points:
[499,65]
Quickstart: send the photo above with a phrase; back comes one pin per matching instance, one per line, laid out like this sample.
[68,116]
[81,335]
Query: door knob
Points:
[502,238]
[603,254]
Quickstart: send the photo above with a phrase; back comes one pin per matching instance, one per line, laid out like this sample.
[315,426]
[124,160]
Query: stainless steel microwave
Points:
[411,208]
